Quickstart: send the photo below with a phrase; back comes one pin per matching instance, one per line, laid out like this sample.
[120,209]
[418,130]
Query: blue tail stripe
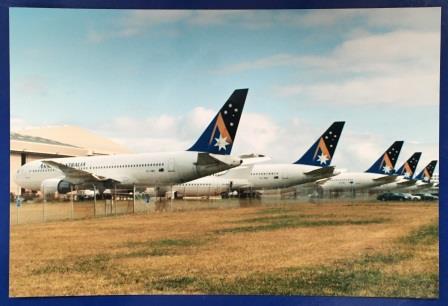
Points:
[219,136]
[390,155]
[412,162]
[322,151]
[430,168]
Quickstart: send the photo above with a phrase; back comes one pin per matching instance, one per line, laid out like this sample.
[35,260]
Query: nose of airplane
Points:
[18,176]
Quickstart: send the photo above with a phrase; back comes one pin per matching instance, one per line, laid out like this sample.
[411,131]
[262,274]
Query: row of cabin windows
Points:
[343,180]
[46,168]
[264,173]
[193,184]
[43,170]
[124,166]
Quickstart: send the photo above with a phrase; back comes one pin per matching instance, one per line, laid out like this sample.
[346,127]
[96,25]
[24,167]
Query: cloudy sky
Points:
[152,80]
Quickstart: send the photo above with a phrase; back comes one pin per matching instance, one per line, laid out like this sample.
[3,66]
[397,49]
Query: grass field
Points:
[373,249]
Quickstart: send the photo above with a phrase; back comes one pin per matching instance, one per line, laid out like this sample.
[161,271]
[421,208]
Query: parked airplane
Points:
[405,174]
[424,179]
[210,154]
[381,172]
[312,166]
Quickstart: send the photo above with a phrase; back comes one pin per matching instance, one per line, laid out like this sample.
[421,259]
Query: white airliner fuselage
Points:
[418,186]
[255,177]
[141,170]
[347,181]
[400,183]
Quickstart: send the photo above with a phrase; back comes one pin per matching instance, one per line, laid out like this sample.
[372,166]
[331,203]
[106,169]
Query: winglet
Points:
[219,136]
[386,163]
[321,152]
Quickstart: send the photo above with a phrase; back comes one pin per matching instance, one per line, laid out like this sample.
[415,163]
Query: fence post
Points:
[114,200]
[43,203]
[71,202]
[94,201]
[133,200]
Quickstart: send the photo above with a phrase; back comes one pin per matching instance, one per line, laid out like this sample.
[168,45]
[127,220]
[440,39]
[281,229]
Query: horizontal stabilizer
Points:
[385,179]
[205,159]
[321,172]
[408,182]
[249,159]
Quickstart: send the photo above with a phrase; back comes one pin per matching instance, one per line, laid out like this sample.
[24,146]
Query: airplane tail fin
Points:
[386,163]
[408,168]
[427,172]
[321,152]
[219,136]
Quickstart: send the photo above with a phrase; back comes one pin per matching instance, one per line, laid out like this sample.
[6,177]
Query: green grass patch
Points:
[175,243]
[161,247]
[101,262]
[276,218]
[163,243]
[87,264]
[426,235]
[172,283]
[356,277]
[280,222]
[330,281]
[275,210]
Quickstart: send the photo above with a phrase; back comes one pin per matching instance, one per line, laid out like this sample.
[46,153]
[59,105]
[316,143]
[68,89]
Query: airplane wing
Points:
[321,172]
[249,159]
[385,179]
[322,181]
[73,174]
[407,183]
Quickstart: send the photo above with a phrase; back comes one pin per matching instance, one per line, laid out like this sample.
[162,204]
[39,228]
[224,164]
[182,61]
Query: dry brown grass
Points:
[205,251]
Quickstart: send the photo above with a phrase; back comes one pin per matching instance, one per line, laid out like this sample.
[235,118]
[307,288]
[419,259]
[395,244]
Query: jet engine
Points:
[51,186]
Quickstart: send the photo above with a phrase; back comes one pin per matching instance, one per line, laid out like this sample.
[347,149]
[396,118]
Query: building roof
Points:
[40,145]
[28,138]
[76,137]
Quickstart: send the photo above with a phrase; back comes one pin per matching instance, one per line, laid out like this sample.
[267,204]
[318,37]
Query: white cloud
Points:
[136,22]
[398,67]
[397,18]
[140,20]
[392,52]
[276,60]
[17,124]
[406,90]
[285,142]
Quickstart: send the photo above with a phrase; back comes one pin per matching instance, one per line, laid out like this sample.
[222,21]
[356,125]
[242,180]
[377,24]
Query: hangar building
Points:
[59,141]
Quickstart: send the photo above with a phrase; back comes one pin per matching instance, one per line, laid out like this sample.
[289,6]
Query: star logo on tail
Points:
[221,143]
[322,158]
[386,169]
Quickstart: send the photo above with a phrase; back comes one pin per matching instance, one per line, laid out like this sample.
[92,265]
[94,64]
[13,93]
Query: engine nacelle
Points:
[51,186]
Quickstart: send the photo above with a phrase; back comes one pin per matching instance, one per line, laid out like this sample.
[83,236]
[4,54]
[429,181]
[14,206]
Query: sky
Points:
[152,80]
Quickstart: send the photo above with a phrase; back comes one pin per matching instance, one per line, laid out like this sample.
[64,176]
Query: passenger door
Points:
[171,166]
